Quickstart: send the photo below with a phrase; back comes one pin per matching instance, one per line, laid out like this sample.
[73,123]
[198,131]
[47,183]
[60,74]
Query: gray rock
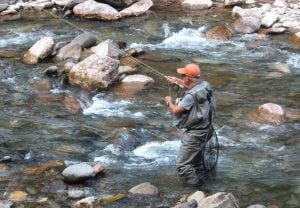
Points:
[3,7]
[5,203]
[191,204]
[144,189]
[257,206]
[85,40]
[118,3]
[247,25]
[75,173]
[69,51]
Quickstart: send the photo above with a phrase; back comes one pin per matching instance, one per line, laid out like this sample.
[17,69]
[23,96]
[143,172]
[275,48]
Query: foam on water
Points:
[111,108]
[294,60]
[148,156]
[19,38]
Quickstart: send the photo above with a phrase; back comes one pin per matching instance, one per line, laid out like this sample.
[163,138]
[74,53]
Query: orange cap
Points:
[191,70]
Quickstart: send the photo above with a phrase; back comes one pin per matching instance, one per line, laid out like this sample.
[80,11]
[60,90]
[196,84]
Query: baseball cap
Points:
[191,70]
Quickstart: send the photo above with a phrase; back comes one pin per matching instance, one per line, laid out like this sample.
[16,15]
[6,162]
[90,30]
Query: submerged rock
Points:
[219,33]
[18,196]
[144,189]
[269,113]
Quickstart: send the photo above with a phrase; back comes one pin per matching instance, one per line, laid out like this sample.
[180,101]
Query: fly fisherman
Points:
[193,115]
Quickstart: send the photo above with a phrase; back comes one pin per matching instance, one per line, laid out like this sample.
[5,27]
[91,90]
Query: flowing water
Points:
[258,163]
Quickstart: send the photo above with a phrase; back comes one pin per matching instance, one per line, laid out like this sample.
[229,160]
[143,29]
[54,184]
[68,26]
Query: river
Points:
[258,163]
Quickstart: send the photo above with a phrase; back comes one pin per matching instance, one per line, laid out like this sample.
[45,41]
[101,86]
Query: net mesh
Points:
[211,154]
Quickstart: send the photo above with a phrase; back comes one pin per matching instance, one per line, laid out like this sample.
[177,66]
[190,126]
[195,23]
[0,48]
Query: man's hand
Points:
[174,80]
[168,100]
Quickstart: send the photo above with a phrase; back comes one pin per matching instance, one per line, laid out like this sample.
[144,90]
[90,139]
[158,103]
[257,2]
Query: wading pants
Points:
[190,165]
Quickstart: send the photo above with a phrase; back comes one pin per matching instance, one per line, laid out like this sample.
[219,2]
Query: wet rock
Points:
[219,33]
[257,206]
[8,12]
[18,196]
[68,66]
[295,39]
[76,193]
[270,113]
[3,168]
[5,203]
[197,4]
[191,204]
[129,140]
[126,70]
[233,2]
[51,71]
[94,72]
[72,3]
[275,30]
[144,189]
[107,48]
[94,10]
[247,25]
[128,61]
[37,170]
[69,51]
[221,199]
[85,40]
[138,78]
[6,159]
[137,8]
[43,86]
[293,114]
[86,202]
[269,19]
[72,104]
[198,196]
[9,54]
[118,3]
[135,52]
[40,50]
[78,172]
[3,7]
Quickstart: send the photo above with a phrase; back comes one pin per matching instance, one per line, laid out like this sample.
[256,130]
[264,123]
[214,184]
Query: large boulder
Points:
[94,72]
[40,50]
[118,3]
[247,25]
[219,33]
[197,4]
[94,10]
[137,8]
[3,7]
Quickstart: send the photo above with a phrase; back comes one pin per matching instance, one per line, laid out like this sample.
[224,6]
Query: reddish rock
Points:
[270,113]
[36,170]
[219,33]
[43,85]
[72,104]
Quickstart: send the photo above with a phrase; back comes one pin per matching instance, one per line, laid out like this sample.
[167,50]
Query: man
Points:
[193,114]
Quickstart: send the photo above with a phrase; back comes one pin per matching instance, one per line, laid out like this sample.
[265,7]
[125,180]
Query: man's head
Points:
[190,70]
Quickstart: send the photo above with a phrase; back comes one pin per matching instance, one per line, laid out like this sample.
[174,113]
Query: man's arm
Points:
[174,109]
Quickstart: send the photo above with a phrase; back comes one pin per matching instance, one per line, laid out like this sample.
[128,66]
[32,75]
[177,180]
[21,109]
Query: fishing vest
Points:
[203,110]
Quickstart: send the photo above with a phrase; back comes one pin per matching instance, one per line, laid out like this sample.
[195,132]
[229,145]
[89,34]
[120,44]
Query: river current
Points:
[258,163]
